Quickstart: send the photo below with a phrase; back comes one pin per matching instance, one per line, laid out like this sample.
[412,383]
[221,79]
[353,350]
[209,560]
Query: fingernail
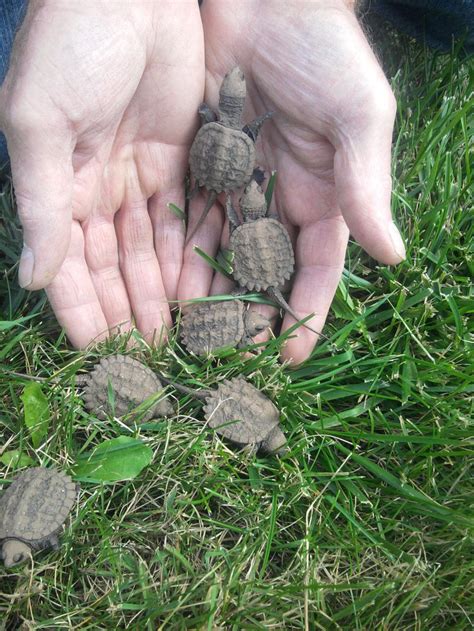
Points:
[397,241]
[27,264]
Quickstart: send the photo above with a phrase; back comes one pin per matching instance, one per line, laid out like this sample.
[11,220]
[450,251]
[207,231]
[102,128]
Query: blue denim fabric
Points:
[436,20]
[11,17]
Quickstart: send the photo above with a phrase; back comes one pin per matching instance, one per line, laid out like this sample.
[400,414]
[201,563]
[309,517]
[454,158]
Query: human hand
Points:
[99,110]
[329,140]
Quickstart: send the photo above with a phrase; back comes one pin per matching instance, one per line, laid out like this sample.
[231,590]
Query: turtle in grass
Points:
[263,253]
[32,511]
[210,326]
[241,413]
[118,384]
[222,156]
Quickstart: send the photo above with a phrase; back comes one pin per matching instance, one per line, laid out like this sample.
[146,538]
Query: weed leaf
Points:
[36,412]
[113,460]
[15,458]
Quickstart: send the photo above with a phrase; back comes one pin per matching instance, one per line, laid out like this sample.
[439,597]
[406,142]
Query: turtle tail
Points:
[183,389]
[210,201]
[276,294]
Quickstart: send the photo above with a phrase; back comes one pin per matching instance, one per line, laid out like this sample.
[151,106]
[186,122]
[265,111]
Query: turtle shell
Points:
[240,412]
[263,254]
[132,384]
[209,326]
[35,505]
[221,158]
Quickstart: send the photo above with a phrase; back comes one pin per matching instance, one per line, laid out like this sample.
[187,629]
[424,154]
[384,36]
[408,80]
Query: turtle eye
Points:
[18,557]
[260,327]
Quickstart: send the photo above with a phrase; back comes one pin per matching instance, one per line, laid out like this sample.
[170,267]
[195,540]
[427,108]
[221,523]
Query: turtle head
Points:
[164,407]
[232,98]
[274,443]
[252,203]
[255,323]
[14,551]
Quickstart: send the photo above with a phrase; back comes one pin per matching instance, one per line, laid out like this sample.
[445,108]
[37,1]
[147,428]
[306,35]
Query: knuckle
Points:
[20,117]
[381,105]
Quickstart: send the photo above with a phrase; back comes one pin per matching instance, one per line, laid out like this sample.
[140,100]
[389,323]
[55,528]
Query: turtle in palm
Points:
[222,156]
[264,259]
[210,326]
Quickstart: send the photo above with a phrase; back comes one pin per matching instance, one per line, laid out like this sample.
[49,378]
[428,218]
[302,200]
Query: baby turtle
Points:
[32,511]
[222,156]
[210,326]
[241,413]
[132,383]
[263,253]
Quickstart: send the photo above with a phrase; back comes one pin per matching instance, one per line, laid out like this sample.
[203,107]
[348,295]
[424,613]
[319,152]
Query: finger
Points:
[139,265]
[73,298]
[196,275]
[169,234]
[222,284]
[101,254]
[363,182]
[40,154]
[320,252]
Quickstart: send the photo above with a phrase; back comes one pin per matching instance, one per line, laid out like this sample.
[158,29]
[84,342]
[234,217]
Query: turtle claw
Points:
[206,114]
[253,129]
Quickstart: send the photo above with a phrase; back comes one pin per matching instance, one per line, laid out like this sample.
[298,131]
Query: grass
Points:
[366,523]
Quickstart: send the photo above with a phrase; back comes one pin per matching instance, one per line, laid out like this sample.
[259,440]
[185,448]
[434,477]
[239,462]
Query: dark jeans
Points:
[436,20]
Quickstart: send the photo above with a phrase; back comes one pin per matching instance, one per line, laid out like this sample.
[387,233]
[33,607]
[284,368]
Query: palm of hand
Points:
[304,67]
[123,123]
[131,242]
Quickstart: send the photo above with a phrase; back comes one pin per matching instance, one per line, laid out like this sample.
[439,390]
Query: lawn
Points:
[366,523]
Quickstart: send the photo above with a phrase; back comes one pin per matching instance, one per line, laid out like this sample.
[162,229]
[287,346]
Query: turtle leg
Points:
[253,129]
[232,215]
[206,114]
[245,341]
[210,201]
[238,291]
[54,542]
[258,175]
[250,449]
[193,191]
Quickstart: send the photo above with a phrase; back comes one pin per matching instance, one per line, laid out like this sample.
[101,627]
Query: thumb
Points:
[363,182]
[41,163]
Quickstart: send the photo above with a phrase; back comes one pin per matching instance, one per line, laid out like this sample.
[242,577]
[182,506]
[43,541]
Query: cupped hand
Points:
[99,110]
[329,141]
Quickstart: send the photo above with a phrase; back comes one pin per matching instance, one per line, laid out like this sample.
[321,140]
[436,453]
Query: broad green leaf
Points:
[36,412]
[114,460]
[15,458]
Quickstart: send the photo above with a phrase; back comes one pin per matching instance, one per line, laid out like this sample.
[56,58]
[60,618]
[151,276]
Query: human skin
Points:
[99,109]
[329,140]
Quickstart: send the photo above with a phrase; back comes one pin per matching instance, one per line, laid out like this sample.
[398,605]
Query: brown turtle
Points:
[210,326]
[222,156]
[32,511]
[263,253]
[131,383]
[241,413]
